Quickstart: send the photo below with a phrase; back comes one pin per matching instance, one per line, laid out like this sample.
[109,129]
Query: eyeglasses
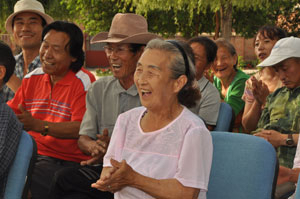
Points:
[119,50]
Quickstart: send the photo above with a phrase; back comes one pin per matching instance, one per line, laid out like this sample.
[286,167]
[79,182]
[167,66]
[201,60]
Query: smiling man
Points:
[26,25]
[106,99]
[280,120]
[51,103]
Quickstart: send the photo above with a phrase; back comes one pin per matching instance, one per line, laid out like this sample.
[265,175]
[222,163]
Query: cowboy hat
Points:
[27,6]
[126,28]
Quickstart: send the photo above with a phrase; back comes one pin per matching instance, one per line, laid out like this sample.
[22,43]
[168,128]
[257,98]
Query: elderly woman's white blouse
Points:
[181,150]
[297,156]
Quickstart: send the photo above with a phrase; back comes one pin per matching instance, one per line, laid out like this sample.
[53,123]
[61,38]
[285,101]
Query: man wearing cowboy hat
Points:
[105,100]
[26,24]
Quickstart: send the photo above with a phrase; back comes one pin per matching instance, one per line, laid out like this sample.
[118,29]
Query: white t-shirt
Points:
[180,150]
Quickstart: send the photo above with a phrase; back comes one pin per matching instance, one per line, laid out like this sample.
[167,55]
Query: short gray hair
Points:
[189,94]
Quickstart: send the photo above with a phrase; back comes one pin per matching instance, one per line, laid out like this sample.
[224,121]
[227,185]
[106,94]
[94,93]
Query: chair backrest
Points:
[225,118]
[20,172]
[243,167]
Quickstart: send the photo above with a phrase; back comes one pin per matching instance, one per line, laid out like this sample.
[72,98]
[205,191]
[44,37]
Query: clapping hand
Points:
[116,177]
[260,90]
[97,149]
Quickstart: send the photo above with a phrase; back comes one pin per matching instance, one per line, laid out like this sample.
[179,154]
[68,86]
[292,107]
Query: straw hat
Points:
[126,28]
[27,6]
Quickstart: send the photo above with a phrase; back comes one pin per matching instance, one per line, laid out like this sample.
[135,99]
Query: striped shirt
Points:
[8,94]
[63,102]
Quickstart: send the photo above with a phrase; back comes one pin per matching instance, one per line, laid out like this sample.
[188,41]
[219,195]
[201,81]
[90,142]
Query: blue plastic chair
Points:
[20,172]
[243,167]
[225,118]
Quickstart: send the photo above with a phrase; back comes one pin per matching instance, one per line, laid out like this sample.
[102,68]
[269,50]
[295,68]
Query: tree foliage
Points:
[54,8]
[169,17]
[96,15]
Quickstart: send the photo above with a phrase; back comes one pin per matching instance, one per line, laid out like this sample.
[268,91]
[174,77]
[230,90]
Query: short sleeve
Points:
[89,122]
[195,159]
[234,97]
[116,143]
[18,98]
[78,105]
[210,105]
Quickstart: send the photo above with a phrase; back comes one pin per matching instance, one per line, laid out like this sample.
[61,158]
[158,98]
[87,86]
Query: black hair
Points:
[134,48]
[269,31]
[7,59]
[75,43]
[209,45]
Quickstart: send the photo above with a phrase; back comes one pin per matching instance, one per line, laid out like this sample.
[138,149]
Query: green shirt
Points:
[282,114]
[235,91]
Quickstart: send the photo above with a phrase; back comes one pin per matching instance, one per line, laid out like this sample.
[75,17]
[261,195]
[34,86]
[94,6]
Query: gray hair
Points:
[189,94]
[177,65]
[223,43]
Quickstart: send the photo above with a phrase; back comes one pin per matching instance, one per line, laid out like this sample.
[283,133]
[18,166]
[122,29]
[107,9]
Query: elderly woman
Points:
[266,81]
[160,150]
[229,80]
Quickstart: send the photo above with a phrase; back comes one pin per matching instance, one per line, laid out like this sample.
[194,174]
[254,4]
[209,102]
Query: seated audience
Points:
[279,121]
[10,127]
[160,149]
[29,19]
[106,99]
[205,51]
[229,80]
[264,82]
[51,103]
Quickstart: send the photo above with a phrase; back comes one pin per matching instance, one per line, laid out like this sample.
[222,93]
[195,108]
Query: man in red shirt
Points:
[51,103]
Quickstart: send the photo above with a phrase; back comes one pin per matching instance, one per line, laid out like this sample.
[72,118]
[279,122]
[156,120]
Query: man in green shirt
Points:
[279,121]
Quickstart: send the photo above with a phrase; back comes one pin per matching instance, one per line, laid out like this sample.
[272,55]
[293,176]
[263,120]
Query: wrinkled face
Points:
[263,46]
[122,61]
[55,55]
[223,66]
[27,30]
[200,59]
[152,78]
[288,71]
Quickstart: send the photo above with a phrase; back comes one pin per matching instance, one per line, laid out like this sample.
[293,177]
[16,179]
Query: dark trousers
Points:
[75,183]
[44,170]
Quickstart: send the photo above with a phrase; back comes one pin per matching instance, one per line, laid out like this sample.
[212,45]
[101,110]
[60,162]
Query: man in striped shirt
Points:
[51,103]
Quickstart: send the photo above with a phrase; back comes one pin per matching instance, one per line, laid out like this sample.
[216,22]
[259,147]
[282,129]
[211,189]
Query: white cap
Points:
[283,49]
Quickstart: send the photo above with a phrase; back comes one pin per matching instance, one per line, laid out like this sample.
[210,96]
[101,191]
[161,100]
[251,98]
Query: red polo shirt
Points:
[63,103]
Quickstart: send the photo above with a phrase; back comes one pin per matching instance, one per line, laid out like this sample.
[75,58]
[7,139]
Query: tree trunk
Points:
[217,28]
[226,19]
[197,22]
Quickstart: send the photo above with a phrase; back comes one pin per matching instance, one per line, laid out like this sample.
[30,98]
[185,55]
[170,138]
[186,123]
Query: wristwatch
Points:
[289,141]
[46,129]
